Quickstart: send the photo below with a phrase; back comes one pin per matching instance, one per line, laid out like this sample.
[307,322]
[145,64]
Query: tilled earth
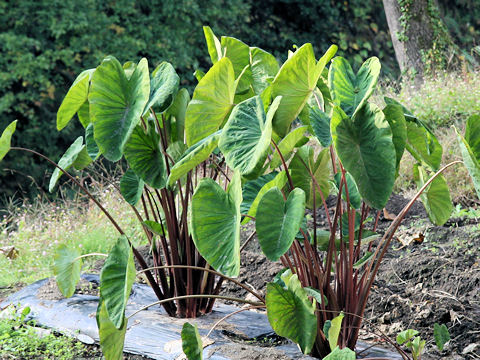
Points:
[431,274]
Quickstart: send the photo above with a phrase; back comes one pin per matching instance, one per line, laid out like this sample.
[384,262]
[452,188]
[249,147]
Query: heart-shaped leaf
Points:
[215,224]
[75,98]
[211,103]
[116,279]
[6,138]
[303,166]
[66,268]
[350,91]
[396,120]
[66,161]
[470,161]
[246,136]
[111,338]
[365,147]
[334,331]
[144,156]
[290,313]
[163,87]
[131,187]
[436,197]
[279,181]
[278,221]
[192,342]
[194,155]
[423,145]
[320,122]
[264,68]
[116,104]
[295,81]
[288,143]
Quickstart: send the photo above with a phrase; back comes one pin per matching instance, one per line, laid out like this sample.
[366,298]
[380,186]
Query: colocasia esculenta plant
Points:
[257,142]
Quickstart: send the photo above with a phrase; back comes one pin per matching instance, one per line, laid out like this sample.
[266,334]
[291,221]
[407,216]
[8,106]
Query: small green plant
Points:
[19,339]
[414,343]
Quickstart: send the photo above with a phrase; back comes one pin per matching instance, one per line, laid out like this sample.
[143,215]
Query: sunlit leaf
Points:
[6,138]
[75,98]
[116,104]
[116,279]
[215,224]
[211,103]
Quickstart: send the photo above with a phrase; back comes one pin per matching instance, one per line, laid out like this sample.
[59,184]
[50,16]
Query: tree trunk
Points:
[420,39]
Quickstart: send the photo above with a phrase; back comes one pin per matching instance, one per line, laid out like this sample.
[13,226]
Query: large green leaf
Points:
[303,165]
[6,138]
[286,146]
[211,103]
[295,81]
[66,161]
[320,122]
[178,110]
[291,314]
[215,224]
[264,68]
[192,342]
[213,45]
[436,198]
[278,221]
[144,156]
[75,98]
[239,54]
[396,120]
[131,187]
[194,155]
[116,279]
[350,91]
[246,136]
[472,135]
[470,161]
[251,188]
[365,147]
[163,87]
[423,145]
[279,181]
[116,104]
[111,338]
[66,268]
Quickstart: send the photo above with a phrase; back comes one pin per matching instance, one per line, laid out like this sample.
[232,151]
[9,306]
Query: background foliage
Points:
[46,43]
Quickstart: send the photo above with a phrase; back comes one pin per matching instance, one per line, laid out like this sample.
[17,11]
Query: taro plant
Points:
[268,139]
[257,142]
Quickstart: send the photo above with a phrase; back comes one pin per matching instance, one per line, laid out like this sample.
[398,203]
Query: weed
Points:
[20,339]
